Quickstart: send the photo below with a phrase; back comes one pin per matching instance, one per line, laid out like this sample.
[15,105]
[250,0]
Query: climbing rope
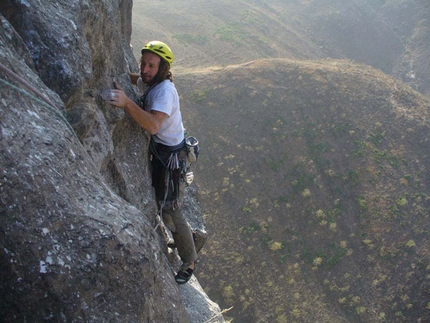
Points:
[45,102]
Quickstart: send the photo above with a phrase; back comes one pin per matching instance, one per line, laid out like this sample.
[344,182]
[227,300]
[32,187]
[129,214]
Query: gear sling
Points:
[168,172]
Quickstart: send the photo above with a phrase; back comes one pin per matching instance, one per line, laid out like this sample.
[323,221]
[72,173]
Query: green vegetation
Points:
[231,33]
[327,194]
[314,173]
[191,39]
[199,95]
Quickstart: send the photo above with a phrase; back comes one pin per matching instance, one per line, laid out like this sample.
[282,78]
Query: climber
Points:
[160,115]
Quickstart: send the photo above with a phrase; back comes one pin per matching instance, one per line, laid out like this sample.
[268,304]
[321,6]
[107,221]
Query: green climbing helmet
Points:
[161,49]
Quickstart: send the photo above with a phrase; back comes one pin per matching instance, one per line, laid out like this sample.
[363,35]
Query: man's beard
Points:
[147,79]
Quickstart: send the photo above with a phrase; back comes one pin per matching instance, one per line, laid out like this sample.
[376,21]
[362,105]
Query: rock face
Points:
[77,215]
[413,67]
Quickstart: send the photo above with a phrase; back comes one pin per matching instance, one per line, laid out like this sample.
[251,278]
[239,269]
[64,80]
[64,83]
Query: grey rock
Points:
[77,212]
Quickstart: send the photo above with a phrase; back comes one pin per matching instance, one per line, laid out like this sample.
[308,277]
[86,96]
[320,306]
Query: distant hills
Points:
[392,35]
[313,168]
[313,177]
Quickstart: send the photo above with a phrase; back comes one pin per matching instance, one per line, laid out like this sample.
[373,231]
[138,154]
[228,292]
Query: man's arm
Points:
[150,121]
[134,77]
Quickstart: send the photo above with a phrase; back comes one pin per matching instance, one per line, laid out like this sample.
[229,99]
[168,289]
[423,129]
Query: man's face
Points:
[149,64]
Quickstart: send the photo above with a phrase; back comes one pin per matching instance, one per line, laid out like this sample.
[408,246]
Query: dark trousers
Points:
[170,203]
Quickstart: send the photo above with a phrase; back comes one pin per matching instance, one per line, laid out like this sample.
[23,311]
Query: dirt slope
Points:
[314,183]
[389,35]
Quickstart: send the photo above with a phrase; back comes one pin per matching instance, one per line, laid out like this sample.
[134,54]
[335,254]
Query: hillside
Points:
[313,179]
[391,35]
[206,33]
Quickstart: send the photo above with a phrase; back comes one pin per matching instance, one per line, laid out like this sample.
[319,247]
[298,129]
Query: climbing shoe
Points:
[183,276]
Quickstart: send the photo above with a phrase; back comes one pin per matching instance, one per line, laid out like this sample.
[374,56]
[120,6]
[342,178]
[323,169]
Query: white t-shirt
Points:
[164,98]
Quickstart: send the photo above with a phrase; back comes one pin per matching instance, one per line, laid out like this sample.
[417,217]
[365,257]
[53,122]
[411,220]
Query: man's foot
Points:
[184,275]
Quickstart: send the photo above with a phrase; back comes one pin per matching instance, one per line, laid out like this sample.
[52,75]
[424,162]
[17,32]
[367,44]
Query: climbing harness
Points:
[173,166]
[176,168]
[173,169]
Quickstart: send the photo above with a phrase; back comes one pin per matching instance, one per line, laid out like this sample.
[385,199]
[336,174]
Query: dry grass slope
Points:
[313,176]
[390,35]
[312,173]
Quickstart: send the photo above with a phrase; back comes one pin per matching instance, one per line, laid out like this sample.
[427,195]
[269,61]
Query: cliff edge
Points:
[76,205]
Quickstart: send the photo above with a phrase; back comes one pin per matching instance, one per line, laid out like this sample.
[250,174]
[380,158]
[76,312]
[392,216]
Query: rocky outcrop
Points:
[413,67]
[76,206]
